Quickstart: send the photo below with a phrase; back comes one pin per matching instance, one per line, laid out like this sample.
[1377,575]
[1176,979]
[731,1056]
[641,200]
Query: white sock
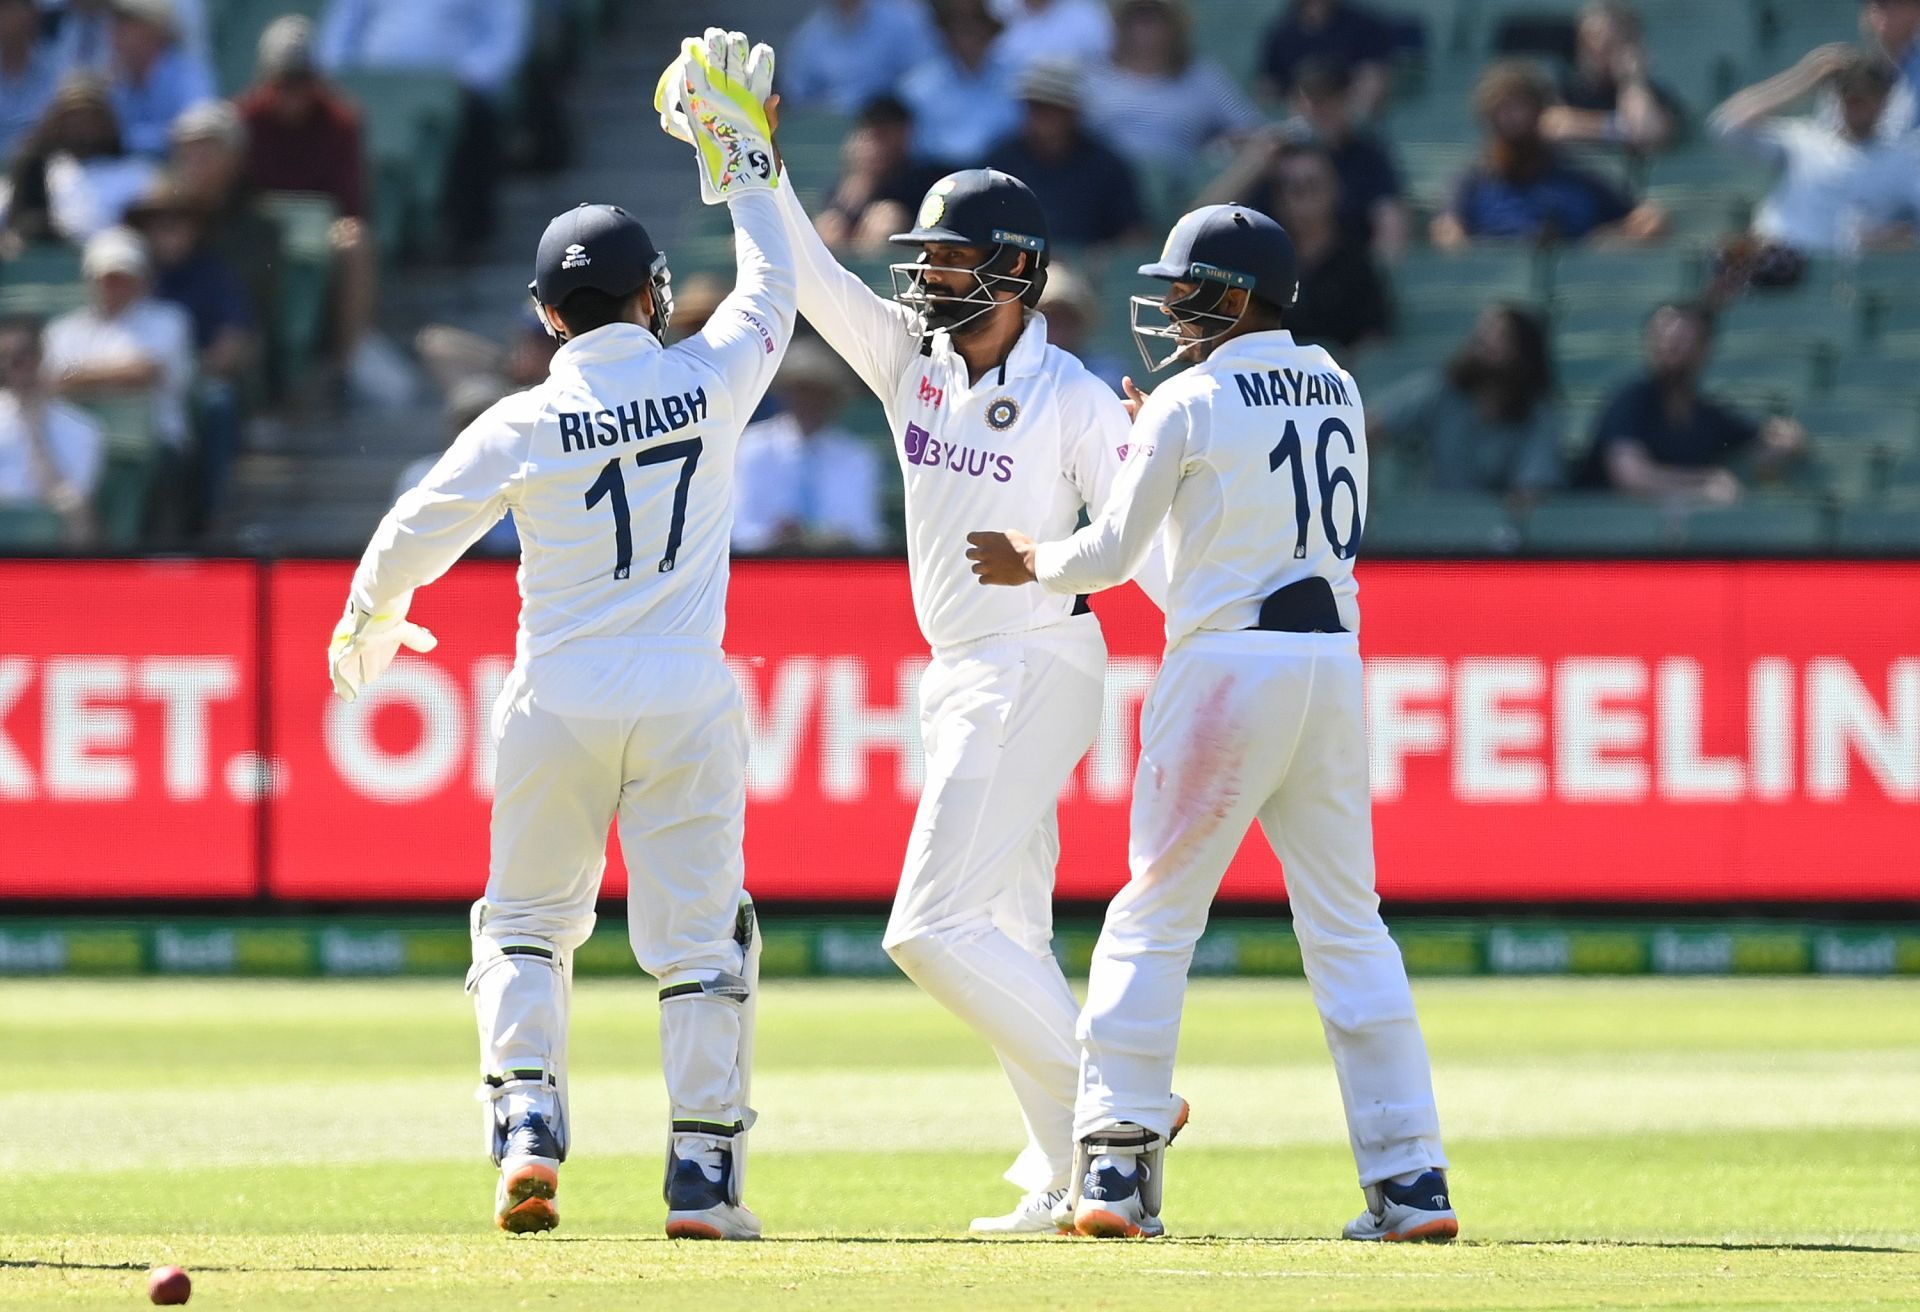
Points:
[518,1104]
[1406,1178]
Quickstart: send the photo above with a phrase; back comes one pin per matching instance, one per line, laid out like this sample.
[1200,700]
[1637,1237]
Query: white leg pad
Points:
[521,990]
[707,1022]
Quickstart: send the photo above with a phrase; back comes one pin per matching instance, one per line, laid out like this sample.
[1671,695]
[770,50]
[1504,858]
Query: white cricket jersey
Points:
[1025,447]
[1256,460]
[618,470]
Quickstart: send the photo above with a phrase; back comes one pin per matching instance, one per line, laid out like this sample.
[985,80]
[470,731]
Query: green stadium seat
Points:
[42,262]
[1602,523]
[304,280]
[1431,522]
[30,528]
[1758,525]
[411,120]
[1879,528]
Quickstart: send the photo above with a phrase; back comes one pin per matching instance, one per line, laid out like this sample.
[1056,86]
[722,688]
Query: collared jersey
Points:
[1256,462]
[618,470]
[1025,447]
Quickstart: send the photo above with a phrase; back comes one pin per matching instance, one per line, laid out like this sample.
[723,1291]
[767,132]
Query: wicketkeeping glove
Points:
[364,644]
[714,95]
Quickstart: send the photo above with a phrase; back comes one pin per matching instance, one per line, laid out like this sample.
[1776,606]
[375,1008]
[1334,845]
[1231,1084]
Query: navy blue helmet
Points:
[605,249]
[975,207]
[1222,248]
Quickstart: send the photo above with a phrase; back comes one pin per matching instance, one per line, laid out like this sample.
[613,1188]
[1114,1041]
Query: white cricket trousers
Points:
[1004,722]
[651,737]
[1239,727]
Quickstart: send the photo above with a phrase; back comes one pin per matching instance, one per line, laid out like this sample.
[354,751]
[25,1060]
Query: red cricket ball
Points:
[168,1284]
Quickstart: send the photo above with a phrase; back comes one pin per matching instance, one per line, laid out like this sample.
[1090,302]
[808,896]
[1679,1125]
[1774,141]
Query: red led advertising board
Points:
[1539,732]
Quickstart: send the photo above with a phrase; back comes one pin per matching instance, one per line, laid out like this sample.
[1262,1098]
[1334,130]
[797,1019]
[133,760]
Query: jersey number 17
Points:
[613,484]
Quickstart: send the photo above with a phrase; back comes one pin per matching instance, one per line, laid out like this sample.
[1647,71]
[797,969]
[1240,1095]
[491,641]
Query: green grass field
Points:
[1616,1144]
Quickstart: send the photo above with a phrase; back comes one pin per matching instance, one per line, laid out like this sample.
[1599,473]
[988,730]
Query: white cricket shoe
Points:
[698,1206]
[1111,1203]
[1037,1213]
[1400,1213]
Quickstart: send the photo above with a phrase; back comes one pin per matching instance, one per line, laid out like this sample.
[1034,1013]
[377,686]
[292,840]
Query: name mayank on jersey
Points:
[1293,387]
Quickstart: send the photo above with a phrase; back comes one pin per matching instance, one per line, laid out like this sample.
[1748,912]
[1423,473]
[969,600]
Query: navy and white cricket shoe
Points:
[1399,1213]
[697,1198]
[529,1178]
[1111,1205]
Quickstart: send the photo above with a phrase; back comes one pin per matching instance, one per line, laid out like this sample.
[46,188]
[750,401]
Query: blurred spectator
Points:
[1343,299]
[1339,33]
[190,273]
[880,184]
[1606,95]
[694,302]
[208,168]
[1062,31]
[1523,188]
[846,52]
[302,135]
[455,355]
[125,345]
[1841,187]
[1373,210]
[1486,421]
[73,177]
[1893,26]
[482,43]
[1071,310]
[1660,438]
[83,32]
[965,70]
[50,453]
[1156,103]
[29,73]
[801,480]
[467,400]
[154,77]
[1087,192]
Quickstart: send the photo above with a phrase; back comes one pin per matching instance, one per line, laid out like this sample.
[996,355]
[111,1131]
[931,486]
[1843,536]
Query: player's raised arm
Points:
[714,95]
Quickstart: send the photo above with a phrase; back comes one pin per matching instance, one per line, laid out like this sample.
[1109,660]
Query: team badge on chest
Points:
[1001,412]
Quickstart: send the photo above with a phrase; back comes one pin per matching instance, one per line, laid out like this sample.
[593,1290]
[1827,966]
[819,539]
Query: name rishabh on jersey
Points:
[618,470]
[1256,462]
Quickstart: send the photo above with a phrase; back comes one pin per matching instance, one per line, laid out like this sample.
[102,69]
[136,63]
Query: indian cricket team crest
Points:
[1001,412]
[934,207]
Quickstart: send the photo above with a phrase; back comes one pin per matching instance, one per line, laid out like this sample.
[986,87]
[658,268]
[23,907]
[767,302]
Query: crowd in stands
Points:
[1121,115]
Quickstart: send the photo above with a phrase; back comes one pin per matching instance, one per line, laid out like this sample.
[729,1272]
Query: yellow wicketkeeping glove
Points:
[714,95]
[364,644]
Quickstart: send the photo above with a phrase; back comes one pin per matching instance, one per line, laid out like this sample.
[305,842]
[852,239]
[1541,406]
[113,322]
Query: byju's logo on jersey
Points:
[929,452]
[1001,412]
[576,257]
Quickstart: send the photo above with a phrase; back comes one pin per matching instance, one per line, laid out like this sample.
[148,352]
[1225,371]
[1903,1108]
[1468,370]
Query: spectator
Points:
[467,400]
[83,33]
[1606,96]
[208,167]
[1343,300]
[1524,188]
[803,482]
[481,43]
[1059,31]
[1071,310]
[1373,209]
[125,345]
[693,304]
[73,177]
[965,70]
[1840,188]
[880,184]
[846,52]
[1156,103]
[1486,421]
[154,78]
[1087,192]
[1893,26]
[50,453]
[1660,438]
[1337,32]
[29,73]
[455,355]
[192,274]
[302,135]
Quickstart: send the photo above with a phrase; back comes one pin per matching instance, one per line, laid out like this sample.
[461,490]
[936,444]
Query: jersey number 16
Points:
[1288,453]
[612,483]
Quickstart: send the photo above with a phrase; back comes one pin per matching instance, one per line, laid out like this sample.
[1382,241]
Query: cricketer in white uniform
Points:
[1255,461]
[990,424]
[619,707]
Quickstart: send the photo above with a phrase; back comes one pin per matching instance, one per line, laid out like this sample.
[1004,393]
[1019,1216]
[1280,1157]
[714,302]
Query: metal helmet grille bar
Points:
[1199,307]
[942,310]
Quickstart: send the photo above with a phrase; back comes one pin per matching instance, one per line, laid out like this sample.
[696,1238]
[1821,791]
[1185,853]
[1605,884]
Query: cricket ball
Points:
[168,1284]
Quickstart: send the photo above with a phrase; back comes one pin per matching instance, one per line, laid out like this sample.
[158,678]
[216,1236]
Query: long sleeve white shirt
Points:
[1255,460]
[619,470]
[1027,446]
